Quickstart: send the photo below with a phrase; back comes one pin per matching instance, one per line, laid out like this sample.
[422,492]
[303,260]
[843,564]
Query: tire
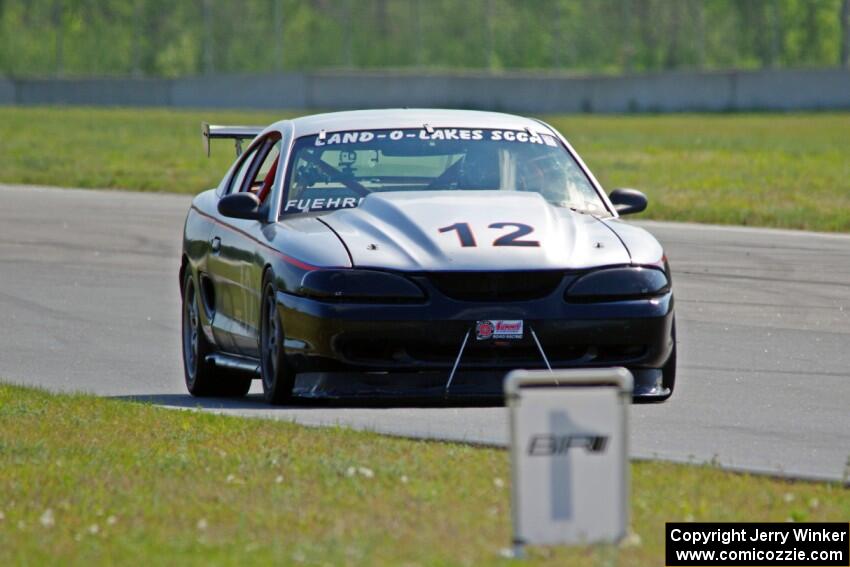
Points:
[278,377]
[668,371]
[202,378]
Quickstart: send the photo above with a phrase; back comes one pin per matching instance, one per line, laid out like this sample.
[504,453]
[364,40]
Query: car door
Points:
[239,263]
[223,267]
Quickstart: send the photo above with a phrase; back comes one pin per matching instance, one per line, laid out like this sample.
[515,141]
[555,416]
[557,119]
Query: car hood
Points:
[402,231]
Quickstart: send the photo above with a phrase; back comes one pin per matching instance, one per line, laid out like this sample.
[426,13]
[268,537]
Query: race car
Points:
[415,254]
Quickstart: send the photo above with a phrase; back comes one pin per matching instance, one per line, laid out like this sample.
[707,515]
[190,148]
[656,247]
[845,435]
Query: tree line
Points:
[186,37]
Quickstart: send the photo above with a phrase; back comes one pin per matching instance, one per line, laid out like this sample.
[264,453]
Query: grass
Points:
[85,480]
[780,170]
[137,149]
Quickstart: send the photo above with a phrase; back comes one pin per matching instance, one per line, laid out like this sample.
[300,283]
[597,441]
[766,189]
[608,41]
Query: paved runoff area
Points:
[89,302]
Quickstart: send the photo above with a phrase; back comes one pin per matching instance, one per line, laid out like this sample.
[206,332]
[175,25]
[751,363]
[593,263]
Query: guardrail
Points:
[773,90]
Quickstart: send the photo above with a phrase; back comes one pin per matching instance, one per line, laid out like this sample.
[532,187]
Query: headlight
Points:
[615,284]
[358,285]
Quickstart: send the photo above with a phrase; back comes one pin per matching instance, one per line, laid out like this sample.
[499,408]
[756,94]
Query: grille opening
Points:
[496,286]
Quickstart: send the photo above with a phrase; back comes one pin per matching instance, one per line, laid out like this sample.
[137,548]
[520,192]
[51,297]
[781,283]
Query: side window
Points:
[256,173]
[268,167]
[267,164]
[239,175]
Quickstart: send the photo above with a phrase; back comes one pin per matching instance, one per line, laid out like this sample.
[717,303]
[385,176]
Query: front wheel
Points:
[203,379]
[278,378]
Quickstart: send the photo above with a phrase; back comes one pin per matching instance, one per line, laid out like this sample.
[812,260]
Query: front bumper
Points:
[408,350]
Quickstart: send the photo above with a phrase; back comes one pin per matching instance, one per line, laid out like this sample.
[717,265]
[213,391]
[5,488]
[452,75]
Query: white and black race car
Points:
[416,253]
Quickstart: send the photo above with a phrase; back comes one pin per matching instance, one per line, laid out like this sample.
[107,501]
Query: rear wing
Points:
[237,133]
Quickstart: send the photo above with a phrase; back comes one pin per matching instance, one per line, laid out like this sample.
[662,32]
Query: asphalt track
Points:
[89,302]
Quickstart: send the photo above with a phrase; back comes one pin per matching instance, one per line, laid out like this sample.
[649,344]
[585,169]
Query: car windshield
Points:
[337,170]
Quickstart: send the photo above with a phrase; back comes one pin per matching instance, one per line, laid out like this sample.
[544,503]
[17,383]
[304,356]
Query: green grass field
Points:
[781,170]
[90,481]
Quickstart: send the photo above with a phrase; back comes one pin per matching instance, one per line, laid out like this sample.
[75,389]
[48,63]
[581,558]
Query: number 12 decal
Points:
[467,239]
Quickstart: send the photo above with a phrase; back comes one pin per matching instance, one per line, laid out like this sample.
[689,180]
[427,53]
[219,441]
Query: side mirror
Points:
[628,201]
[240,206]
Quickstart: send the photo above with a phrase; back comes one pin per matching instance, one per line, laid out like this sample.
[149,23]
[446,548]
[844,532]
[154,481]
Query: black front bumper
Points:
[402,350]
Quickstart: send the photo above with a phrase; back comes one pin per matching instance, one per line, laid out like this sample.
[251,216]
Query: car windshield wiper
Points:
[582,211]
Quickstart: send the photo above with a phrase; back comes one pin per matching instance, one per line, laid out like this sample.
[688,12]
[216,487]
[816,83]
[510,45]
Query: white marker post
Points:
[568,455]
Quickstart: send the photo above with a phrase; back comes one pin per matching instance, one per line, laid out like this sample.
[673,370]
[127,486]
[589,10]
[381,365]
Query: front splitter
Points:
[471,387]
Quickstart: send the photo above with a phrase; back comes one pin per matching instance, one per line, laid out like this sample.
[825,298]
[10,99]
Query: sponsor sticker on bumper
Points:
[498,329]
